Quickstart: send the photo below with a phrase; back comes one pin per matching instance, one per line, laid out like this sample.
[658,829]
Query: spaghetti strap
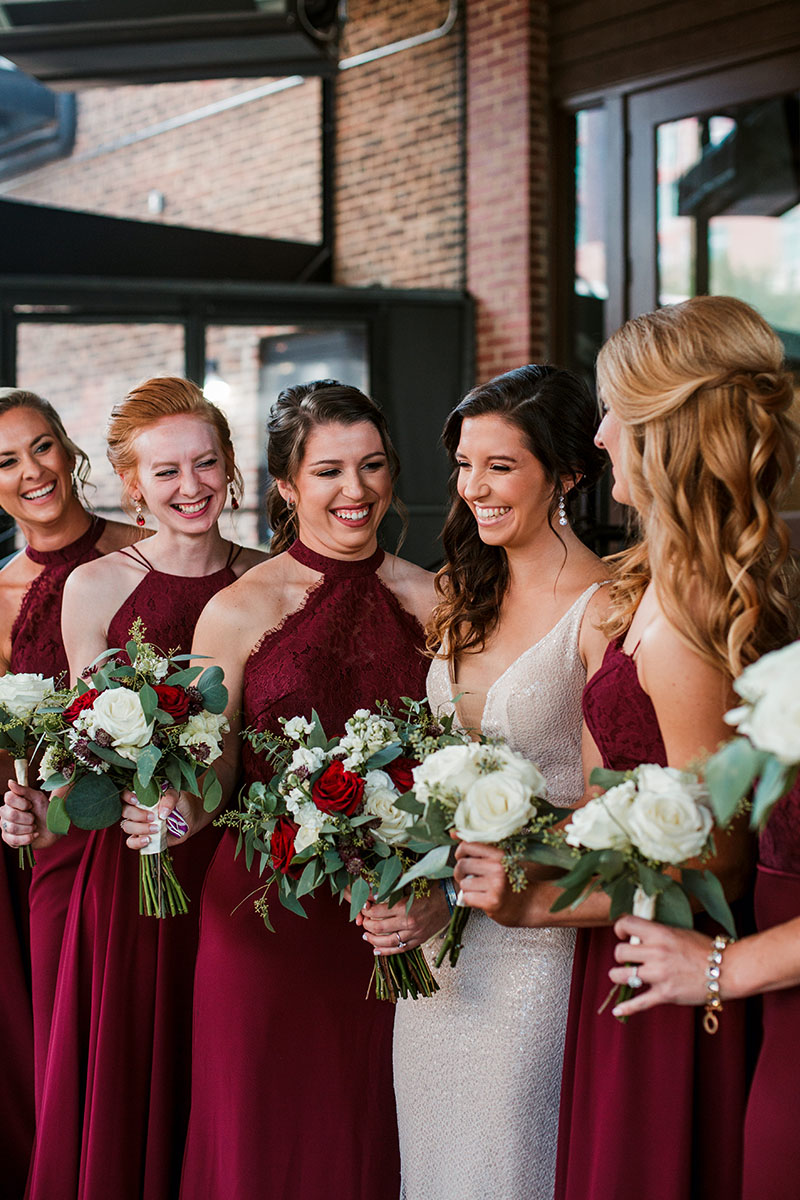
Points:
[233,553]
[139,557]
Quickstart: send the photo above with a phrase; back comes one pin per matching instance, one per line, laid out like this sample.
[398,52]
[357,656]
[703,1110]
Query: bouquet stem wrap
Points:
[644,906]
[26,858]
[160,893]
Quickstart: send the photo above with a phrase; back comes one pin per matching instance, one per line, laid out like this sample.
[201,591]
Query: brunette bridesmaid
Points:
[696,424]
[114,1108]
[292,1078]
[41,477]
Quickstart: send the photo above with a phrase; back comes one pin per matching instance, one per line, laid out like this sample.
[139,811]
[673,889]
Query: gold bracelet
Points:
[713,972]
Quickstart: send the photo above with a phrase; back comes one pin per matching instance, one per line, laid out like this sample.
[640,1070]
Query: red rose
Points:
[85,700]
[399,771]
[281,847]
[337,790]
[173,701]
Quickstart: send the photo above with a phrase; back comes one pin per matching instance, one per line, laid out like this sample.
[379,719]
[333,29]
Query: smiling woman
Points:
[173,453]
[41,475]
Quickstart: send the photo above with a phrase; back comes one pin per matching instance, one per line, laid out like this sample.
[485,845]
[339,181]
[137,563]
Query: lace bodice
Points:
[620,715]
[349,645]
[36,642]
[170,605]
[535,705]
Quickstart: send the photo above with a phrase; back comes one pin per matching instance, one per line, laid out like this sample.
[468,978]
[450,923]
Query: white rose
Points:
[665,781]
[526,771]
[602,824]
[119,712]
[452,768]
[667,823]
[379,801]
[773,724]
[20,694]
[204,725]
[496,806]
[771,670]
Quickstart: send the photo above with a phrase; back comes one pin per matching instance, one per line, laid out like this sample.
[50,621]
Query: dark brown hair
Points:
[558,418]
[295,413]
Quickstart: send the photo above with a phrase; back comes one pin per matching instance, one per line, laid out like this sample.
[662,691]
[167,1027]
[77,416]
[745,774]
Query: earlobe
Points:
[286,492]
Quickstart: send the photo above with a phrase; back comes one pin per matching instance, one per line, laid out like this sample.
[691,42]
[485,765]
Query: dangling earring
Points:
[139,514]
[562,512]
[234,501]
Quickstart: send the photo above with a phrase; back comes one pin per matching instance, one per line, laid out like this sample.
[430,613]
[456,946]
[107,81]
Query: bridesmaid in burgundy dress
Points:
[292,1077]
[37,461]
[673,962]
[696,424]
[120,971]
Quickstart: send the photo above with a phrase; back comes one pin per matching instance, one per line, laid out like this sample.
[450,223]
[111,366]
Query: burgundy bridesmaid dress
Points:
[655,1107]
[33,905]
[292,1077]
[115,1097]
[771,1154]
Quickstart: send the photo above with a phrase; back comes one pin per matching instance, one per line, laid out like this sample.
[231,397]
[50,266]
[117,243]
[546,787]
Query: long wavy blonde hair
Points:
[708,450]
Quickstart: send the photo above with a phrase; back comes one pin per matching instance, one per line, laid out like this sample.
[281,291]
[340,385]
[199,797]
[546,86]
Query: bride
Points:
[514,634]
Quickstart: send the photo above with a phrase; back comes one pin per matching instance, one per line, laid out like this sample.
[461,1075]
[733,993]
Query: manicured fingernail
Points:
[377,953]
[617,1012]
[153,827]
[163,813]
[364,937]
[134,799]
[145,841]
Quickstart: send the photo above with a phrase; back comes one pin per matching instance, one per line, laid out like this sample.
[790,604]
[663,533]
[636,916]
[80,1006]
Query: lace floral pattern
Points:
[626,734]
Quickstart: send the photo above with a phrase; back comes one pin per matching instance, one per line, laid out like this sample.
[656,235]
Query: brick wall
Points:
[508,165]
[252,169]
[399,170]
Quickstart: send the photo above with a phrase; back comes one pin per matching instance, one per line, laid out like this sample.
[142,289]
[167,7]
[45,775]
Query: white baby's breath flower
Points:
[310,820]
[307,759]
[296,798]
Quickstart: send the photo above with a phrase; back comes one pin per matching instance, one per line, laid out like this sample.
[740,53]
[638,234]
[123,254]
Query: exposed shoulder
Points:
[118,534]
[412,586]
[248,557]
[258,601]
[592,642]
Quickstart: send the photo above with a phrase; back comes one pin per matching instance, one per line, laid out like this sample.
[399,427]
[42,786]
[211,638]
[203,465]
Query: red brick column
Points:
[507,181]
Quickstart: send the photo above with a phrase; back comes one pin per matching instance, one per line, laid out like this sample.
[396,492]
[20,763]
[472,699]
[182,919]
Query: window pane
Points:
[591,286]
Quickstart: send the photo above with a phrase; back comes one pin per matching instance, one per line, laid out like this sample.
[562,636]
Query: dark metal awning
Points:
[69,42]
[37,240]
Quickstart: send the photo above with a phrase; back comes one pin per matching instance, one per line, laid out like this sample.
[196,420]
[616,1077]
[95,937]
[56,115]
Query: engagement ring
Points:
[633,979]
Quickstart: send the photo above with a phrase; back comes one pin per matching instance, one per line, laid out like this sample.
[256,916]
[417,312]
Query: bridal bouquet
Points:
[20,698]
[625,840]
[768,748]
[141,721]
[484,792]
[335,813]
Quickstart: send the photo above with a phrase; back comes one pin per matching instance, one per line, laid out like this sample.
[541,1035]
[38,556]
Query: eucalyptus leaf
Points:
[310,878]
[290,901]
[603,778]
[212,791]
[317,739]
[147,762]
[730,774]
[673,907]
[381,758]
[776,779]
[146,793]
[359,894]
[93,802]
[183,678]
[390,871]
[57,817]
[410,804]
[110,756]
[435,865]
[708,890]
[53,781]
[148,698]
[621,893]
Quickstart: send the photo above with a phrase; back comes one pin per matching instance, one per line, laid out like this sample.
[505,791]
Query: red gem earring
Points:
[139,514]
[234,501]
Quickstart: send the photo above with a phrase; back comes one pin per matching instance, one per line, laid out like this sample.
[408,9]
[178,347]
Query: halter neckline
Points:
[336,568]
[73,551]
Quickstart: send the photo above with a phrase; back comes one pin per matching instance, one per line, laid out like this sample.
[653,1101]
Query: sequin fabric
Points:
[478,1066]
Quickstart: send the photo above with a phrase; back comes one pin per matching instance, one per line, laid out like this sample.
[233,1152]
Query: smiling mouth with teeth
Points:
[351,514]
[194,508]
[42,491]
[489,514]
